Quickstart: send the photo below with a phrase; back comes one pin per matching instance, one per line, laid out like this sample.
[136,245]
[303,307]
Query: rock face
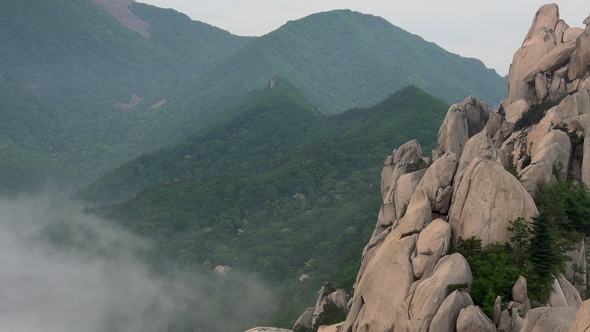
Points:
[461,122]
[486,201]
[548,319]
[539,41]
[472,319]
[581,321]
[431,292]
[407,280]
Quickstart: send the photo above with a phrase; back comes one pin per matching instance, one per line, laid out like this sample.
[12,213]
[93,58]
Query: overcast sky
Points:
[488,30]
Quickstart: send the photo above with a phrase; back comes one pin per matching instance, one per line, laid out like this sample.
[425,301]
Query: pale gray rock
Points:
[222,270]
[545,319]
[541,86]
[338,297]
[383,286]
[574,105]
[515,110]
[478,146]
[579,123]
[505,322]
[494,123]
[443,200]
[446,316]
[534,175]
[472,319]
[331,328]
[546,17]
[558,85]
[419,211]
[581,321]
[385,218]
[433,243]
[461,122]
[551,61]
[580,58]
[551,118]
[571,34]
[557,297]
[497,309]
[486,200]
[586,158]
[555,147]
[267,329]
[519,290]
[431,292]
[405,187]
[539,41]
[570,293]
[305,319]
[560,29]
[516,321]
[576,266]
[398,183]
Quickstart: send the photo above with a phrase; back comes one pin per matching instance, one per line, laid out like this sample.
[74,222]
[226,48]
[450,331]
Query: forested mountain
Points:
[115,93]
[268,128]
[343,59]
[96,80]
[275,198]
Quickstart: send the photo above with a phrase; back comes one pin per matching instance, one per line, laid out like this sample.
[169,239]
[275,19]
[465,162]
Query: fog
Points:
[63,270]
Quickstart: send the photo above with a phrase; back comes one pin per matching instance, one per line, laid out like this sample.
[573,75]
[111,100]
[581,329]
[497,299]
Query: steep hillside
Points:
[268,128]
[98,77]
[493,235]
[306,211]
[343,59]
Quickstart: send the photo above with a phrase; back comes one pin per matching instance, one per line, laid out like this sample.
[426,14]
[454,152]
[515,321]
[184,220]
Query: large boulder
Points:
[383,286]
[472,319]
[581,56]
[305,319]
[539,41]
[551,118]
[398,182]
[581,321]
[433,243]
[586,158]
[486,200]
[461,122]
[431,292]
[546,319]
[515,111]
[445,319]
[551,61]
[327,294]
[556,148]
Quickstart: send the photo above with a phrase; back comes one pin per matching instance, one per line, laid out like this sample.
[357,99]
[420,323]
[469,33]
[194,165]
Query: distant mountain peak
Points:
[121,10]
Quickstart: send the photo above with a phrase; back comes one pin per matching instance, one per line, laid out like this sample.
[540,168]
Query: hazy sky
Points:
[490,31]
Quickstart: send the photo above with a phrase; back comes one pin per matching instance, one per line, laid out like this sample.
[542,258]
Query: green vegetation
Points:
[269,128]
[66,64]
[536,112]
[308,210]
[536,249]
[97,80]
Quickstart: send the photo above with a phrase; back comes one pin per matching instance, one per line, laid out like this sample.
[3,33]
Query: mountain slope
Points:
[269,127]
[307,211]
[97,77]
[340,60]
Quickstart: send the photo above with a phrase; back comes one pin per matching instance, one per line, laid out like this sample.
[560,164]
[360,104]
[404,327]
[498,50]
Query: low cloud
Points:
[62,270]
